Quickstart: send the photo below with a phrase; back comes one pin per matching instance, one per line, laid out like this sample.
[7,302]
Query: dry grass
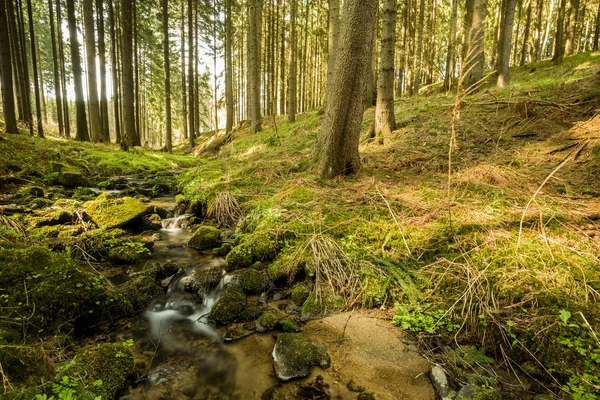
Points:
[225,209]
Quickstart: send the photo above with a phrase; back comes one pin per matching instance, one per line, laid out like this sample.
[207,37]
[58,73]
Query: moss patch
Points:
[108,212]
[140,291]
[229,306]
[205,238]
[253,281]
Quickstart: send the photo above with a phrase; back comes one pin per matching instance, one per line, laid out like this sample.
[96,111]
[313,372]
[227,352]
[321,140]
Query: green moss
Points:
[32,191]
[267,321]
[140,291]
[180,199]
[239,257]
[51,218]
[223,250]
[108,212]
[71,177]
[253,281]
[84,193]
[41,202]
[250,314]
[103,368]
[229,306]
[48,232]
[288,326]
[129,253]
[314,308]
[285,268]
[205,237]
[262,245]
[300,293]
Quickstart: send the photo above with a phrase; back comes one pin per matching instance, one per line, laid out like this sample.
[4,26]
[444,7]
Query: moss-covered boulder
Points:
[54,291]
[230,305]
[84,194]
[288,326]
[294,354]
[253,281]
[266,322]
[206,237]
[51,217]
[22,364]
[300,293]
[103,369]
[223,250]
[239,257]
[129,253]
[32,191]
[108,212]
[140,291]
[250,313]
[71,177]
[315,308]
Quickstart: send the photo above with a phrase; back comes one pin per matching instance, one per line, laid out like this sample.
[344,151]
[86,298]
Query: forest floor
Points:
[494,269]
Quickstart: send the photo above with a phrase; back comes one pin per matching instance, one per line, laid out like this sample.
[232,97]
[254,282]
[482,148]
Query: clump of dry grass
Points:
[489,175]
[225,209]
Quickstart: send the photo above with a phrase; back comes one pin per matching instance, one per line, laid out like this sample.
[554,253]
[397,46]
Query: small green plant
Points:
[422,318]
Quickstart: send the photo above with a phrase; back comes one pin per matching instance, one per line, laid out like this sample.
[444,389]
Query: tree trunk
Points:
[337,144]
[41,78]
[293,69]
[57,88]
[385,121]
[419,56]
[228,67]
[16,61]
[538,30]
[137,139]
[129,133]
[473,63]
[597,30]
[549,20]
[115,71]
[36,84]
[505,44]
[183,84]
[451,55]
[371,87]
[26,87]
[559,48]
[169,138]
[570,44]
[333,39]
[102,64]
[282,60]
[191,113]
[90,50]
[525,48]
[63,79]
[8,98]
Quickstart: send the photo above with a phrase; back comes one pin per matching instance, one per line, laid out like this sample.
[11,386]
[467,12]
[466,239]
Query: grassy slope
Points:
[461,249]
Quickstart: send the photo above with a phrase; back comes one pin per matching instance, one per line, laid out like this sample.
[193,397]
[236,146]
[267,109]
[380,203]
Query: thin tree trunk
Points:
[25,68]
[8,98]
[451,55]
[136,71]
[191,113]
[129,133]
[82,127]
[473,62]
[115,71]
[559,48]
[385,120]
[19,88]
[597,30]
[419,56]
[337,143]
[549,20]
[515,48]
[34,61]
[183,84]
[525,48]
[90,50]
[63,74]
[293,72]
[102,64]
[333,39]
[282,99]
[41,77]
[571,27]
[228,67]
[169,138]
[505,44]
[538,30]
[57,88]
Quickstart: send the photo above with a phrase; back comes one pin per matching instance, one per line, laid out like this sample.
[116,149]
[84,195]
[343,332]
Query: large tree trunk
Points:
[570,45]
[183,84]
[337,144]
[115,71]
[191,113]
[597,30]
[19,89]
[538,30]
[63,73]
[136,77]
[36,84]
[293,69]
[419,56]
[385,121]
[525,48]
[102,64]
[333,40]
[169,138]
[254,62]
[505,43]
[473,63]
[90,50]
[451,55]
[228,67]
[81,120]
[282,61]
[129,134]
[22,54]
[559,48]
[8,98]
[57,86]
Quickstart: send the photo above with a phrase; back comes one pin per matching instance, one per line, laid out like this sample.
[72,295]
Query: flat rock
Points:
[294,354]
[440,381]
[109,212]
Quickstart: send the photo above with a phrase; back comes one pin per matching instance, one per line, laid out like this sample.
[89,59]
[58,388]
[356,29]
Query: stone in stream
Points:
[294,354]
[205,238]
[440,381]
[140,291]
[108,212]
[230,305]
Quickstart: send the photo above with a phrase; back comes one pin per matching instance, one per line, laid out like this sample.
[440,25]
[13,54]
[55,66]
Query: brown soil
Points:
[364,348]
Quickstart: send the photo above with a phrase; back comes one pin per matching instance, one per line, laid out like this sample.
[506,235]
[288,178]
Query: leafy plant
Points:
[422,318]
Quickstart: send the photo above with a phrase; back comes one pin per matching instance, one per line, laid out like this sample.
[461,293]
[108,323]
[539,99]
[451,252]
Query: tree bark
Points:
[63,79]
[451,55]
[337,144]
[90,50]
[559,48]
[293,68]
[129,133]
[505,44]
[115,72]
[419,56]
[282,62]
[333,40]
[22,54]
[102,64]
[8,98]
[597,30]
[19,89]
[228,67]
[169,138]
[254,62]
[525,48]
[385,120]
[538,30]
[191,113]
[34,61]
[570,44]
[183,84]
[473,62]
[57,86]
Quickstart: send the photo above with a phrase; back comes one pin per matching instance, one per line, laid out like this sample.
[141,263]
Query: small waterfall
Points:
[179,222]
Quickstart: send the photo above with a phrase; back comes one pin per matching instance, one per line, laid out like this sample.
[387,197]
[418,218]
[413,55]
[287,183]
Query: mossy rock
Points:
[84,194]
[294,354]
[230,305]
[41,202]
[313,308]
[300,293]
[51,217]
[250,314]
[48,232]
[262,245]
[108,212]
[103,368]
[266,322]
[32,191]
[181,199]
[24,365]
[129,254]
[140,291]
[288,326]
[64,296]
[161,270]
[285,268]
[223,250]
[71,177]
[253,281]
[239,257]
[205,238]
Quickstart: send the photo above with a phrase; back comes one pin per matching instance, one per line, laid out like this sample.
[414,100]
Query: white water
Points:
[180,222]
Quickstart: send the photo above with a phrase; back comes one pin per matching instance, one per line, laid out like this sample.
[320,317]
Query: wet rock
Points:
[440,381]
[239,257]
[288,326]
[205,238]
[71,177]
[300,293]
[476,392]
[263,300]
[293,309]
[223,250]
[201,281]
[354,387]
[294,354]
[140,291]
[128,254]
[108,212]
[230,305]
[32,191]
[253,281]
[250,313]
[266,322]
[366,396]
[51,217]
